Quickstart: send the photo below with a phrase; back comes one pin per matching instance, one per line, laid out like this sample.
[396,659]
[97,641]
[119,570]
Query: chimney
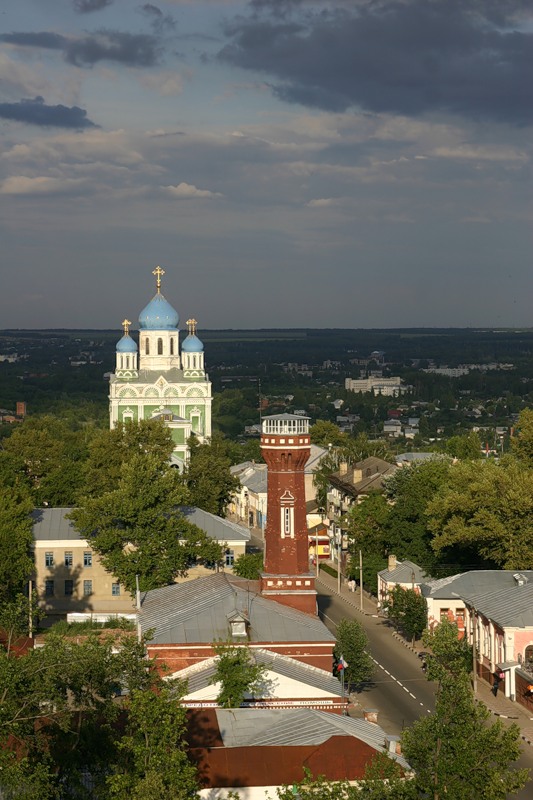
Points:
[393,745]
[371,715]
[392,563]
[343,468]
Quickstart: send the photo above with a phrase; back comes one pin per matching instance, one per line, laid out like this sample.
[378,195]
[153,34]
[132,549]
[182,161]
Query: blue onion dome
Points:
[192,343]
[158,315]
[126,344]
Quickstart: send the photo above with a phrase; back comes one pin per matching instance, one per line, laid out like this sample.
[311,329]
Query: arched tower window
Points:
[172,347]
[160,347]
[127,362]
[194,361]
[147,346]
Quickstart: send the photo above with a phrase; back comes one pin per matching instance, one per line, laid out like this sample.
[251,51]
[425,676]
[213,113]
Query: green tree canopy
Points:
[450,655]
[522,443]
[16,541]
[138,529]
[237,673]
[456,752]
[352,644]
[487,509]
[249,565]
[207,476]
[465,447]
[110,449]
[408,610]
[410,489]
[53,455]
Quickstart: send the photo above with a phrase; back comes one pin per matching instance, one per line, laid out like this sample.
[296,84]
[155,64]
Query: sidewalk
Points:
[499,706]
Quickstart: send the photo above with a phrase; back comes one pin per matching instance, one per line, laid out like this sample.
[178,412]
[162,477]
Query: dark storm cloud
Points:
[160,22]
[460,56]
[46,40]
[36,112]
[87,6]
[134,50]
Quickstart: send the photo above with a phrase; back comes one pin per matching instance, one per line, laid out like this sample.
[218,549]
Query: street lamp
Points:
[322,513]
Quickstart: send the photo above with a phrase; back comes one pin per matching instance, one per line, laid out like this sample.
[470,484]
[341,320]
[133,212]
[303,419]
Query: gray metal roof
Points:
[476,582]
[286,417]
[403,573]
[509,608]
[198,610]
[198,678]
[216,527]
[51,523]
[243,727]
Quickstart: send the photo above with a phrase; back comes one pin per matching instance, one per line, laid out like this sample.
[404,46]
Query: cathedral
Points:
[159,379]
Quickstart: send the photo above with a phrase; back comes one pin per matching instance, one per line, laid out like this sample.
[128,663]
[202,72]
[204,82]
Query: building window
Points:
[160,347]
[115,589]
[230,558]
[69,587]
[49,588]
[87,559]
[49,559]
[287,520]
[87,588]
[147,346]
[68,558]
[172,347]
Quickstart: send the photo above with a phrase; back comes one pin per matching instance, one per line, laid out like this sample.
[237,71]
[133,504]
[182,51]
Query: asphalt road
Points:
[399,689]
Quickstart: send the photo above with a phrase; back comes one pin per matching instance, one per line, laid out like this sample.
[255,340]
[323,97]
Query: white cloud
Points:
[19,81]
[188,190]
[324,202]
[166,83]
[23,185]
[481,153]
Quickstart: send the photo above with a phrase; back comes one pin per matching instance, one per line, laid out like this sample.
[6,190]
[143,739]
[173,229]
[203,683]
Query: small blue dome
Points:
[126,344]
[158,315]
[192,344]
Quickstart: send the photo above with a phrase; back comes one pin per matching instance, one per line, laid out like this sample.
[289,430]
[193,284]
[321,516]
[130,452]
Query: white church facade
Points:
[159,378]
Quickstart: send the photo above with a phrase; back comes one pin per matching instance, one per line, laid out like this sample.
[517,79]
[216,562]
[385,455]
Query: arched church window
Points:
[147,346]
[194,361]
[172,347]
[127,362]
[160,347]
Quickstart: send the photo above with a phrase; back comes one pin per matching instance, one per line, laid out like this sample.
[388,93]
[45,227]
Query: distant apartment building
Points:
[387,387]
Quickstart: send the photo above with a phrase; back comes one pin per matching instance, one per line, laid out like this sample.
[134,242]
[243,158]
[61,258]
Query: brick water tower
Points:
[285,445]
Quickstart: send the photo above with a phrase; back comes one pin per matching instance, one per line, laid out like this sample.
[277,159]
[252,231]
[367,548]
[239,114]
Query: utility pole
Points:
[339,552]
[474,651]
[361,576]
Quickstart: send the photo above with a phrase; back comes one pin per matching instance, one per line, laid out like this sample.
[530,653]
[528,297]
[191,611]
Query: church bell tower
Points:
[285,445]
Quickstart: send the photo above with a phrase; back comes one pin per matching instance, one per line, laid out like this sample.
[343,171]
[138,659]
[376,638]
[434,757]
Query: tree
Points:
[366,525]
[450,655]
[16,540]
[465,447]
[485,509]
[109,450]
[352,644]
[208,477]
[457,753]
[522,443]
[408,610]
[53,455]
[152,761]
[237,674]
[60,720]
[410,489]
[249,565]
[326,434]
[138,529]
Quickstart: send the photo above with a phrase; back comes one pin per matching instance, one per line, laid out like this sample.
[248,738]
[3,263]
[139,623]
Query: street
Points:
[399,689]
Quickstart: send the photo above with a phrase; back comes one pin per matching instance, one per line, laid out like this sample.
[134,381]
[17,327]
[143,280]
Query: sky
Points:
[288,163]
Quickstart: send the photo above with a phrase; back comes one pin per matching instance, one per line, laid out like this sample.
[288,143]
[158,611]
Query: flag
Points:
[342,664]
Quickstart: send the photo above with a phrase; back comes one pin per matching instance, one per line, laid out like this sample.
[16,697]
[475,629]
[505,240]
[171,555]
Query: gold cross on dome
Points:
[158,272]
[192,326]
[126,325]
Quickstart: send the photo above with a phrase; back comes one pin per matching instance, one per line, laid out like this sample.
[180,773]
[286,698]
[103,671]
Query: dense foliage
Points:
[237,673]
[352,644]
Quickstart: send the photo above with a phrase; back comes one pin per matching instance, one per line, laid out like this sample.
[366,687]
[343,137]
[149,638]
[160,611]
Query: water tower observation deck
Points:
[285,430]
